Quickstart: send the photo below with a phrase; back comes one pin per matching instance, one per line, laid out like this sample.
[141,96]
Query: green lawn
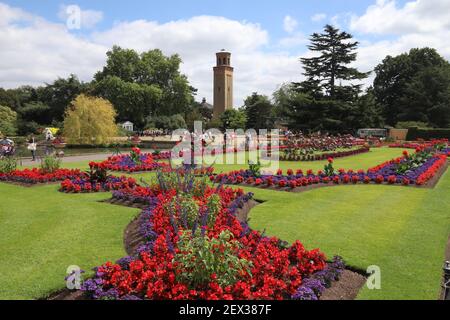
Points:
[402,230]
[42,232]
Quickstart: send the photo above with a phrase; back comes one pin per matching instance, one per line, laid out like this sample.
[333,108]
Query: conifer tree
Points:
[326,71]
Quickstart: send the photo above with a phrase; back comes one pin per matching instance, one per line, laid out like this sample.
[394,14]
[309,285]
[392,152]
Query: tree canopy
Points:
[414,86]
[259,112]
[90,120]
[329,98]
[143,85]
[8,121]
[233,119]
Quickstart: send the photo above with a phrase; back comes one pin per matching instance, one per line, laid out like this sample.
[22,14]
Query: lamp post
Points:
[446,285]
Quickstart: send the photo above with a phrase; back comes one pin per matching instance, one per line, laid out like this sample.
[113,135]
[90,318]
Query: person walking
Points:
[32,146]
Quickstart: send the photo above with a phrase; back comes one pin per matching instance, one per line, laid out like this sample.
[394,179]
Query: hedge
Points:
[427,134]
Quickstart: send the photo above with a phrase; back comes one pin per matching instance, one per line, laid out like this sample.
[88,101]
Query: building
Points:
[128,126]
[206,105]
[223,83]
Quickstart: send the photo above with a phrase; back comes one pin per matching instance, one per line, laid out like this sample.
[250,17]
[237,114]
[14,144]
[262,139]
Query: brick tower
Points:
[223,83]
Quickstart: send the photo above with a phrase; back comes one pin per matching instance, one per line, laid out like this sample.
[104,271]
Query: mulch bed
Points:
[132,237]
[347,288]
[125,203]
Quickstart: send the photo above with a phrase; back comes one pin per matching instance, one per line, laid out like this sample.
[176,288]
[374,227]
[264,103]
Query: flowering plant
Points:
[206,257]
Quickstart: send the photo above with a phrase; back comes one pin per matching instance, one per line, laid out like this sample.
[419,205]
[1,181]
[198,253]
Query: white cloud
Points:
[89,18]
[420,16]
[318,17]
[419,23]
[295,40]
[289,24]
[35,51]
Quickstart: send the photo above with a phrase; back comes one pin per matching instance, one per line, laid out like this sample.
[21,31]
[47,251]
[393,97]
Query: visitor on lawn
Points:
[32,147]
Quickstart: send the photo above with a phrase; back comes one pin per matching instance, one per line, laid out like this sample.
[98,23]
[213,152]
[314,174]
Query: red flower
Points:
[282,183]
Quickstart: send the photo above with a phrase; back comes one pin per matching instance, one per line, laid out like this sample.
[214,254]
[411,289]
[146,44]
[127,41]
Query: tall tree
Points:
[90,121]
[233,119]
[327,99]
[8,121]
[335,52]
[59,94]
[259,111]
[143,85]
[414,86]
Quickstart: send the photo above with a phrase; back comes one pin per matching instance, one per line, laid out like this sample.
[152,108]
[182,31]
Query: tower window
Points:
[224,60]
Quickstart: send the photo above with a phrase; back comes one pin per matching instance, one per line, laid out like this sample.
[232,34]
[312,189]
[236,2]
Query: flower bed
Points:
[386,173]
[83,184]
[134,162]
[197,249]
[325,155]
[36,175]
[414,145]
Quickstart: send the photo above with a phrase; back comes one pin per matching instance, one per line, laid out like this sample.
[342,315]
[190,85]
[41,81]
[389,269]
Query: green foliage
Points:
[50,164]
[8,164]
[336,52]
[233,119]
[188,207]
[214,205]
[98,174]
[329,169]
[427,134]
[166,122]
[8,121]
[201,257]
[255,168]
[411,124]
[259,111]
[414,86]
[144,84]
[59,94]
[90,121]
[319,103]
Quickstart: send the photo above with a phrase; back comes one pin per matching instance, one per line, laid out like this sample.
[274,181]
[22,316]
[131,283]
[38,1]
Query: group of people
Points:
[154,133]
[6,147]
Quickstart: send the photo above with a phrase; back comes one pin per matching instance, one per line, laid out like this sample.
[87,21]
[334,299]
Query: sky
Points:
[42,40]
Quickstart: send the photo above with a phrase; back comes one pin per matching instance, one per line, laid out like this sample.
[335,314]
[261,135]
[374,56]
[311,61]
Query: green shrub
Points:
[8,165]
[411,124]
[255,168]
[200,257]
[50,164]
[427,133]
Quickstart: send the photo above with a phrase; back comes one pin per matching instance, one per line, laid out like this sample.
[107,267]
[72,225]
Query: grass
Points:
[361,161]
[402,230]
[42,232]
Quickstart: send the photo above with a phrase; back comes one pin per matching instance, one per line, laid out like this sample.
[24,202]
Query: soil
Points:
[132,238]
[125,203]
[347,288]
[67,294]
